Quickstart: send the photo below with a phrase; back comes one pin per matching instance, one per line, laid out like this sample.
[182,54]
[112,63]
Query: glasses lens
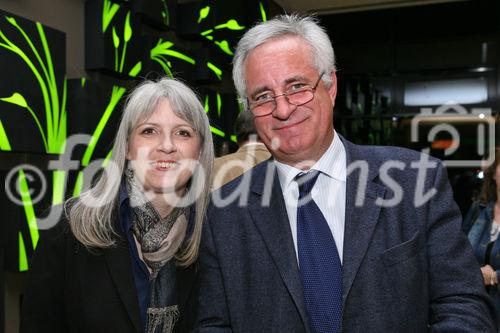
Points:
[263,108]
[300,97]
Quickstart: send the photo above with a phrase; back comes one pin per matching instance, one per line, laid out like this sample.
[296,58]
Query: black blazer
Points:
[72,289]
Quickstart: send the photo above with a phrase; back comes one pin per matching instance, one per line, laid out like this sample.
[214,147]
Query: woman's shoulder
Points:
[54,223]
[475,212]
[54,229]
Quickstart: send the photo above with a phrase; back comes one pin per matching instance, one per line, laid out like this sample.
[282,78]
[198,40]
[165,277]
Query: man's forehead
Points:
[285,38]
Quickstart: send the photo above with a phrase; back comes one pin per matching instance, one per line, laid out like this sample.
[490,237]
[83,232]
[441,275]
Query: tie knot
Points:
[306,181]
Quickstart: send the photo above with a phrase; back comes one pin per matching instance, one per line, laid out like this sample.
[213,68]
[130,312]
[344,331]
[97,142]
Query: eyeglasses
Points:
[265,103]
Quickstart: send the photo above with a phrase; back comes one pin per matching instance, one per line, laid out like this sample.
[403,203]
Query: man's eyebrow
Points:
[259,90]
[295,79]
[286,82]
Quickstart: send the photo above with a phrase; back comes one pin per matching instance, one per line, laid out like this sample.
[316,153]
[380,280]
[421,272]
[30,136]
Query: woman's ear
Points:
[128,156]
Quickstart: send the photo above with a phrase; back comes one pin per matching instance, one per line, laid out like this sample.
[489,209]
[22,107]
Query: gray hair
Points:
[307,28]
[91,216]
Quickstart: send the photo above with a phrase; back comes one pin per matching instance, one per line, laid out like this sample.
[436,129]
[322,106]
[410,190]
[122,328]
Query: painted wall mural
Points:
[68,124]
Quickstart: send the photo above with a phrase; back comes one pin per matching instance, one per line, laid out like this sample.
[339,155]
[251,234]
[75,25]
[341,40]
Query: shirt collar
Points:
[332,164]
[253,143]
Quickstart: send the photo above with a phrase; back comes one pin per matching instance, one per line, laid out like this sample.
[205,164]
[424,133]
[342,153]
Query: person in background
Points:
[482,225]
[329,236]
[251,152]
[123,257]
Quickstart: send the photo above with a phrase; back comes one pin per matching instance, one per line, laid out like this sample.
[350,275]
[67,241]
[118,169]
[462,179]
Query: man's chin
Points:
[296,158]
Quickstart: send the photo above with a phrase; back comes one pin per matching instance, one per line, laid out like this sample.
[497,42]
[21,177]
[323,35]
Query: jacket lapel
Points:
[120,268]
[360,220]
[271,221]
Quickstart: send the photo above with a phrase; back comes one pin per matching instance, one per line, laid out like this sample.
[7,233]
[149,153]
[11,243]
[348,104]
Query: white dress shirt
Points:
[329,191]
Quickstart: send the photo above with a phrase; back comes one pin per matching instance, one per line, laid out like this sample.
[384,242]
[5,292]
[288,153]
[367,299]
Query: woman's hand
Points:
[489,276]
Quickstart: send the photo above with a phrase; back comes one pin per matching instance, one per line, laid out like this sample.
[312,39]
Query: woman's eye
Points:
[184,133]
[148,131]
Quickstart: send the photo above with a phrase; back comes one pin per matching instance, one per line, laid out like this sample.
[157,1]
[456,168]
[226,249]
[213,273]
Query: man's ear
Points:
[333,87]
[332,90]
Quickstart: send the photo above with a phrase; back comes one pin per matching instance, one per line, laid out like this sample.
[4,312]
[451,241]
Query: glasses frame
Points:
[285,94]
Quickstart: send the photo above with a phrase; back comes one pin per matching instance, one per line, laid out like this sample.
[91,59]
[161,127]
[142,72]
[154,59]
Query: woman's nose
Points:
[166,144]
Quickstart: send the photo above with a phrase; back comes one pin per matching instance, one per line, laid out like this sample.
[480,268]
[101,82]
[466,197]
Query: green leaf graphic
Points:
[136,69]
[4,140]
[116,39]
[231,24]
[215,69]
[108,12]
[127,33]
[16,99]
[262,12]
[224,46]
[203,13]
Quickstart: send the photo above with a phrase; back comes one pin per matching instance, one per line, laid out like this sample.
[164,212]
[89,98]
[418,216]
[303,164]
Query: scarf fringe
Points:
[164,318]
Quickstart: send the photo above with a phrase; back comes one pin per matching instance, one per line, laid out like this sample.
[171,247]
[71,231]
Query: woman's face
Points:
[163,151]
[496,176]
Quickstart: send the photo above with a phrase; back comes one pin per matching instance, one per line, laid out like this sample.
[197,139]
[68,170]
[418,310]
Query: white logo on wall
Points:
[485,131]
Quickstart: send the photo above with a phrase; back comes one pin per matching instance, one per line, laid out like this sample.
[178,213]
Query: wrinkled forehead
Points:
[281,48]
[284,38]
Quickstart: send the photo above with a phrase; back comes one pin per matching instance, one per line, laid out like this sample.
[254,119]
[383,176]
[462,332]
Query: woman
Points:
[482,225]
[125,264]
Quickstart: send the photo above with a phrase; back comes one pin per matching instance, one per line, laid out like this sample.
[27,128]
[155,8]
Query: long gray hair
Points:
[307,28]
[92,215]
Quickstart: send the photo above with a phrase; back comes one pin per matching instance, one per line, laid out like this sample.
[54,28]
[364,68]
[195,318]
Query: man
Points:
[251,152]
[375,246]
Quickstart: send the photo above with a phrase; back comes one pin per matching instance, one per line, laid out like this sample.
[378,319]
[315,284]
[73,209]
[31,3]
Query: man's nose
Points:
[283,108]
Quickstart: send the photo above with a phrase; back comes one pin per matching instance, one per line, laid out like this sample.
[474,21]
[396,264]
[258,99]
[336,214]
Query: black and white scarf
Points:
[160,239]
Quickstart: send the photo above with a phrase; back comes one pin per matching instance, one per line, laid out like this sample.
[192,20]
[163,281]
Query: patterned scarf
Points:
[160,240]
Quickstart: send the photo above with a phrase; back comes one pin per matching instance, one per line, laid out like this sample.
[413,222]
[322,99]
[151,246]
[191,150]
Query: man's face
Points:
[293,134]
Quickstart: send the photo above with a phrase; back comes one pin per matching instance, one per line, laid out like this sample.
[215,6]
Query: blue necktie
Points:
[319,261]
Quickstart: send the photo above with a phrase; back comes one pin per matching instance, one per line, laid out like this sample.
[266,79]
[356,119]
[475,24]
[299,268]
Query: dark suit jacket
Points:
[405,268]
[71,289]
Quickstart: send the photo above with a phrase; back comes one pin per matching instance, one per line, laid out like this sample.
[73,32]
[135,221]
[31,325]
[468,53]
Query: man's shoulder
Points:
[382,154]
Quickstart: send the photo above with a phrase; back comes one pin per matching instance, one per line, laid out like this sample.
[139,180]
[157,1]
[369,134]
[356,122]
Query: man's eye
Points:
[297,86]
[263,97]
